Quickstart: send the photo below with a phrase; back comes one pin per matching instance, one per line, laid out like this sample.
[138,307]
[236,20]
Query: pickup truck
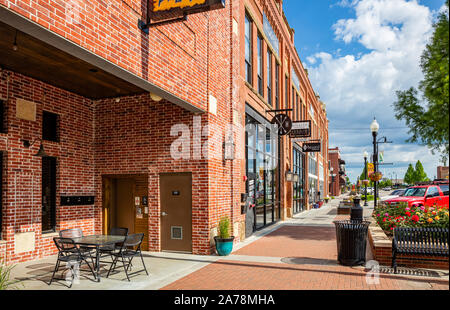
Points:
[424,195]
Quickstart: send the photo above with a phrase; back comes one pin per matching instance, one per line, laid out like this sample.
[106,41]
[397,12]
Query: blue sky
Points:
[358,53]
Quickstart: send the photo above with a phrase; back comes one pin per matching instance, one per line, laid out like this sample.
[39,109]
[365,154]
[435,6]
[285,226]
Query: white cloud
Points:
[358,87]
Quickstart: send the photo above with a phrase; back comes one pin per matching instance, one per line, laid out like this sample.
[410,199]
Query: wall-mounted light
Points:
[289,176]
[15,47]
[229,148]
[155,97]
[296,178]
[41,151]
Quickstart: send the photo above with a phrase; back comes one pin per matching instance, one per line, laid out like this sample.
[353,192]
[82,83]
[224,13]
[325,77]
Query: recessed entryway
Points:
[125,204]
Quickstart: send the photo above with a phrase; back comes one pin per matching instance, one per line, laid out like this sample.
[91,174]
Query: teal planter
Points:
[224,246]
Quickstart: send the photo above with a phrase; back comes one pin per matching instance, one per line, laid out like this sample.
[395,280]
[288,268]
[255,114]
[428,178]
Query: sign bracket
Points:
[146,26]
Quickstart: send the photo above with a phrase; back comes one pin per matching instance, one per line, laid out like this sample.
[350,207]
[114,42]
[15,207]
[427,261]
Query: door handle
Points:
[164,214]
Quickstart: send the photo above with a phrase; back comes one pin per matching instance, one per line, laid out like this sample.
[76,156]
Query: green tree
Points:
[409,175]
[419,173]
[427,117]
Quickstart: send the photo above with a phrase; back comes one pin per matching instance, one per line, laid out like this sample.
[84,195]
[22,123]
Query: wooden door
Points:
[176,212]
[141,209]
[125,205]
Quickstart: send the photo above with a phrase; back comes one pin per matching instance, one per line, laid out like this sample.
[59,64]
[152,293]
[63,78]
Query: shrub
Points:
[369,197]
[5,273]
[224,228]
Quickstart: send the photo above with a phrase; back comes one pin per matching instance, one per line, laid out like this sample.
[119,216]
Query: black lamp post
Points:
[374,127]
[365,177]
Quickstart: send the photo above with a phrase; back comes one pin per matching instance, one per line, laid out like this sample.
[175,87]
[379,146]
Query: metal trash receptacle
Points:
[351,238]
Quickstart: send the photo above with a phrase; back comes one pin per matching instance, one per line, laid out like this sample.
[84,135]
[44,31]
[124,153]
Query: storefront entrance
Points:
[262,172]
[176,212]
[125,204]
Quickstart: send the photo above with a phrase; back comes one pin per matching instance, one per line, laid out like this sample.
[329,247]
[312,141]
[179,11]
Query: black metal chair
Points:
[69,253]
[130,248]
[109,249]
[75,233]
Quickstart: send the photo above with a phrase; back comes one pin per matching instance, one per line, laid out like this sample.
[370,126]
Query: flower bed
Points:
[390,216]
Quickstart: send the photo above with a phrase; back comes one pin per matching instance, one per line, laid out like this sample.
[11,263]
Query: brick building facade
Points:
[337,175]
[135,106]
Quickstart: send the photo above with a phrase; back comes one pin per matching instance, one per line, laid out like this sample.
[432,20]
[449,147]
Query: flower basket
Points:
[366,182]
[376,176]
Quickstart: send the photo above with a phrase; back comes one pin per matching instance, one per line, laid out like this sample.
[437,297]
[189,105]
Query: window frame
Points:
[53,189]
[45,117]
[260,64]
[277,85]
[269,77]
[248,44]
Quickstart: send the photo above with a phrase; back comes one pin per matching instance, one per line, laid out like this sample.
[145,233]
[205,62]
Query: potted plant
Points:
[326,199]
[224,242]
[366,182]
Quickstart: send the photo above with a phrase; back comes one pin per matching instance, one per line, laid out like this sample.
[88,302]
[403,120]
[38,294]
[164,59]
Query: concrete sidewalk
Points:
[296,254]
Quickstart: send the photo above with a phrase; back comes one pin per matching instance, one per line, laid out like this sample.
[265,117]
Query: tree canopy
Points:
[427,116]
[415,175]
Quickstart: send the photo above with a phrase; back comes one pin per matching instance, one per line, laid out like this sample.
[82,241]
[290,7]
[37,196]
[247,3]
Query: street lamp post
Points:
[365,176]
[374,127]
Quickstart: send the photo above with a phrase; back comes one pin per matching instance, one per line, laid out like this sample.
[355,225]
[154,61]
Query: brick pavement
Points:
[314,248]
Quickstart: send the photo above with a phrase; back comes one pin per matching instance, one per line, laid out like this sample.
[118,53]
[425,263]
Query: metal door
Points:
[176,212]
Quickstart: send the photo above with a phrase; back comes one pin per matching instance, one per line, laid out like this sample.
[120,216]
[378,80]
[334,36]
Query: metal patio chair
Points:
[130,248]
[110,249]
[75,233]
[69,253]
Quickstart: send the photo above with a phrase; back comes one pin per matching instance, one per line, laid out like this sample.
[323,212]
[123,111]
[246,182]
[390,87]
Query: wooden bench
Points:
[412,241]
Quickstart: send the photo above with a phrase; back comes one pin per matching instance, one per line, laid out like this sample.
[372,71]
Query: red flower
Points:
[415,218]
[408,213]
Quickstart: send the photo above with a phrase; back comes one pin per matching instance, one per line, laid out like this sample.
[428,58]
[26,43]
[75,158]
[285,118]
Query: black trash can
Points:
[351,237]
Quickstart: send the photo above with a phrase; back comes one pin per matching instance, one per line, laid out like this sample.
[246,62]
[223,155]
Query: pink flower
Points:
[386,214]
[422,208]
[407,209]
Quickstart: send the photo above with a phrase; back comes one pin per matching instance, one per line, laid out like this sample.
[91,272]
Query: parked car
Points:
[369,191]
[387,189]
[432,194]
[394,194]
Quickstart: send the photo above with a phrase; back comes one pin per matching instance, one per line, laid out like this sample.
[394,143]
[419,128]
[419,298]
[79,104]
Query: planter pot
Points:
[224,246]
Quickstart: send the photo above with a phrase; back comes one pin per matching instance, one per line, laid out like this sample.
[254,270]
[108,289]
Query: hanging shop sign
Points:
[300,140]
[284,123]
[312,147]
[187,6]
[301,129]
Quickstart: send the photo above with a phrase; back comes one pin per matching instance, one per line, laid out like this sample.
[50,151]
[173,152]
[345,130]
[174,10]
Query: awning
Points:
[51,58]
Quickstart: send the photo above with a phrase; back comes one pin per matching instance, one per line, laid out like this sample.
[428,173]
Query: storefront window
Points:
[248,49]
[262,163]
[298,199]
[260,65]
[313,179]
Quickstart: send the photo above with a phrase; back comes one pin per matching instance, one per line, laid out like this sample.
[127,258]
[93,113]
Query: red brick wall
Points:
[336,189]
[109,29]
[131,136]
[22,170]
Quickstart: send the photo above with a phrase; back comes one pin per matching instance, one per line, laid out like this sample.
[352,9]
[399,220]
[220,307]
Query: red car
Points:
[432,194]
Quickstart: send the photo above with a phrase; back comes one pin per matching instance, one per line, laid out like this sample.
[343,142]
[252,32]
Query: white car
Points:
[369,191]
[395,194]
